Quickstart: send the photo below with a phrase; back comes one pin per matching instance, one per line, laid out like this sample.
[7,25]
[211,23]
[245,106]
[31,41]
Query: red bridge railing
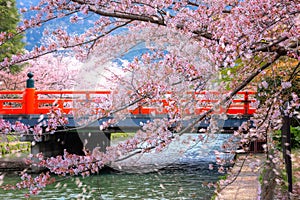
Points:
[31,101]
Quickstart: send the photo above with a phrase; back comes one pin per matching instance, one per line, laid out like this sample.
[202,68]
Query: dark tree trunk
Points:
[286,150]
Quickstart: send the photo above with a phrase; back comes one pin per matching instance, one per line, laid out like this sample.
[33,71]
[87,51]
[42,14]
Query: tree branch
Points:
[130,16]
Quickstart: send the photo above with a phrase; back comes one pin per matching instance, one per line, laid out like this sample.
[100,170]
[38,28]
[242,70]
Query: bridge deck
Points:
[131,123]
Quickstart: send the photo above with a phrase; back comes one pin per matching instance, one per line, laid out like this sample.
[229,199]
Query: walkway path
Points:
[246,186]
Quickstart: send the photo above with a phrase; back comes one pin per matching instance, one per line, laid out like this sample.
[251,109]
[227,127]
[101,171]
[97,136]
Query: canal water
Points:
[176,178]
[174,184]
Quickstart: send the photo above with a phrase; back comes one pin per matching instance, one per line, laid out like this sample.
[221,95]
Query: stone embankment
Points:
[13,164]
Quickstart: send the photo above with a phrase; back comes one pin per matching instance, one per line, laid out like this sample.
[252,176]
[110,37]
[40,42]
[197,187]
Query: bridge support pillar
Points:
[92,138]
[49,146]
[73,142]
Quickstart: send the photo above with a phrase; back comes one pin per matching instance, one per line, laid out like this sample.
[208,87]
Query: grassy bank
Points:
[10,146]
[116,136]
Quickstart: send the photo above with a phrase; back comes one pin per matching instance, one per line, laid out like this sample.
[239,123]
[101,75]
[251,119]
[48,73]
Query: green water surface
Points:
[170,184]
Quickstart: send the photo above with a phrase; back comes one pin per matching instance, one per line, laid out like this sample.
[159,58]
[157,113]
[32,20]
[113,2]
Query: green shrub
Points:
[10,148]
[295,137]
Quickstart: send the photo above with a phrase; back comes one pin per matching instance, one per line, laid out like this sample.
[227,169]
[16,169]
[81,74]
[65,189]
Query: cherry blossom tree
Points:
[45,70]
[191,46]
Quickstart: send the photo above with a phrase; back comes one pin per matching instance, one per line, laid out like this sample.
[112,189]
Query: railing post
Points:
[29,95]
[246,103]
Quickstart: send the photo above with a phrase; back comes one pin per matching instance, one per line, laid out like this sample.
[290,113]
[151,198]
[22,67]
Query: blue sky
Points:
[34,36]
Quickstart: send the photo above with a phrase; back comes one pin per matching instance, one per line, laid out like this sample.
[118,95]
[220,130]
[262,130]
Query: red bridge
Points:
[27,106]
